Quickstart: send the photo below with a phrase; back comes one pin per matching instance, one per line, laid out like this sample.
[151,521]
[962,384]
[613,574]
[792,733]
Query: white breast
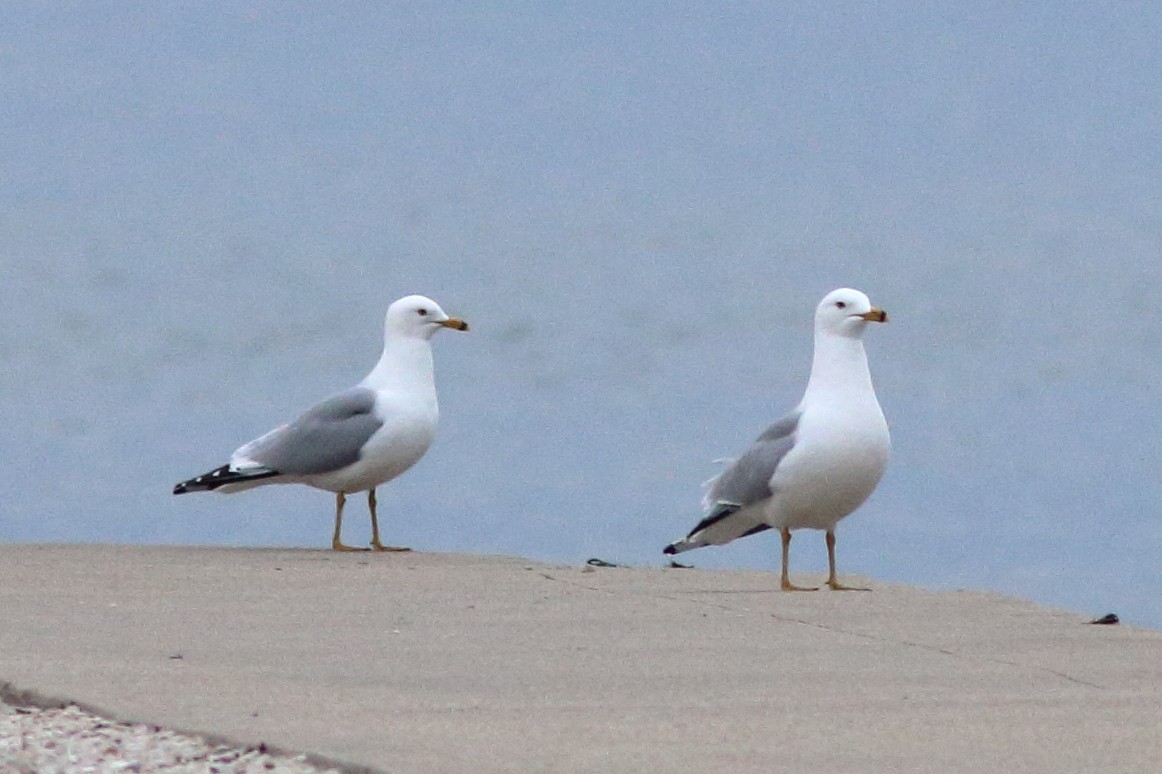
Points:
[835,465]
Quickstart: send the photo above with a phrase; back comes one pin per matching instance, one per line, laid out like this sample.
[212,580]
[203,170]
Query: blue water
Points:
[206,212]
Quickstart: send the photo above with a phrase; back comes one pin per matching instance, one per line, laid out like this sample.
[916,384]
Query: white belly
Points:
[830,472]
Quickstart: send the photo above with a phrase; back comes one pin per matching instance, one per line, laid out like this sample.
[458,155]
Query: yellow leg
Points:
[375,544]
[336,543]
[786,579]
[832,580]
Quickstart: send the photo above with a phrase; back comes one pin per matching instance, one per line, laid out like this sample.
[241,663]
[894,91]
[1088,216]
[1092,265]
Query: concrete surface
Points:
[443,663]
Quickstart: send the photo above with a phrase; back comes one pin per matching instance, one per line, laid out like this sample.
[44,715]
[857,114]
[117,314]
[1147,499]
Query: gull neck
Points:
[839,365]
[405,365]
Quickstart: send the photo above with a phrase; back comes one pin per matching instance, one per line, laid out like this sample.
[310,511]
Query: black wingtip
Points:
[208,482]
[720,512]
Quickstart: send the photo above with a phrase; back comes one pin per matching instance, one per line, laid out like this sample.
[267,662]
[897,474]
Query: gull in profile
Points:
[360,438]
[818,463]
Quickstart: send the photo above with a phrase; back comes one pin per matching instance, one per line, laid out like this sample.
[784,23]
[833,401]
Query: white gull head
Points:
[418,317]
[846,312]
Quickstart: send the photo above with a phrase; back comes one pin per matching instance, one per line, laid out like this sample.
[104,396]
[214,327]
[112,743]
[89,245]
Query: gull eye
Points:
[841,304]
[422,312]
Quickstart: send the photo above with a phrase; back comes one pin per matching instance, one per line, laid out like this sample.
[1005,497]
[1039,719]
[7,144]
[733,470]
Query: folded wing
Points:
[734,499]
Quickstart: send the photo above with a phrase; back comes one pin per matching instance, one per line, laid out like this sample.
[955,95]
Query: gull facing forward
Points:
[360,438]
[817,464]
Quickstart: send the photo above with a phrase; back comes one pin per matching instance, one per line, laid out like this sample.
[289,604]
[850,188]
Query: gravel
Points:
[71,741]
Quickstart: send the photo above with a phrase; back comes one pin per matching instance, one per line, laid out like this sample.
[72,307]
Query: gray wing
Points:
[744,482]
[329,436]
[747,480]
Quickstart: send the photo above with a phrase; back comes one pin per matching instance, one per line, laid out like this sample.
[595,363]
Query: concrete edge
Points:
[14,696]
